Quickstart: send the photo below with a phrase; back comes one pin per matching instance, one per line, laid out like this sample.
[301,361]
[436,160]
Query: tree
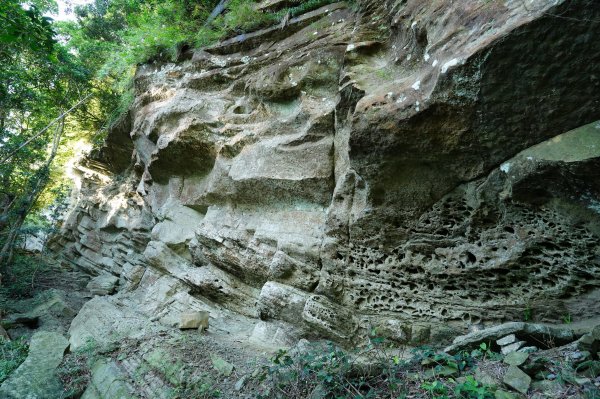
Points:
[38,80]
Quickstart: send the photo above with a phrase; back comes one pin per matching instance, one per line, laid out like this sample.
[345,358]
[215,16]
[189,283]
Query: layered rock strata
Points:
[361,169]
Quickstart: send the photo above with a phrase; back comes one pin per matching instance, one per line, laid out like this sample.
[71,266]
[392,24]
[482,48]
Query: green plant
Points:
[567,318]
[471,389]
[527,313]
[435,388]
[484,352]
[12,354]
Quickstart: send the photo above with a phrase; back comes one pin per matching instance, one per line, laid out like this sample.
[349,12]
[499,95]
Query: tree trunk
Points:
[21,209]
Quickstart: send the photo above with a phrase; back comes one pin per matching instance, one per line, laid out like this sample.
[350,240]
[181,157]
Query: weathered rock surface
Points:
[517,379]
[35,378]
[334,175]
[194,320]
[104,284]
[108,381]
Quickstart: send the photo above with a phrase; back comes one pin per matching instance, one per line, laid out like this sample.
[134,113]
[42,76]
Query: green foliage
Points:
[331,372]
[126,33]
[12,354]
[21,279]
[527,313]
[435,388]
[39,80]
[471,389]
[75,369]
[323,365]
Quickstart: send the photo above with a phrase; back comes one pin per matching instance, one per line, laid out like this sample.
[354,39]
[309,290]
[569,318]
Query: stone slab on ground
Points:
[516,358]
[517,379]
[539,332]
[222,366]
[500,394]
[509,339]
[512,347]
[35,378]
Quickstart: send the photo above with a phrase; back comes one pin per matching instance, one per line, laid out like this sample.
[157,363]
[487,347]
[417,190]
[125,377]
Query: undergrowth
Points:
[12,354]
[75,369]
[20,279]
[323,370]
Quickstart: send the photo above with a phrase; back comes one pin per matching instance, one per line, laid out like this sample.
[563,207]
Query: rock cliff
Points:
[367,166]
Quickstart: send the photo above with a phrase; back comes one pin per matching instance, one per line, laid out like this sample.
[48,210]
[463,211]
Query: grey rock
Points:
[240,383]
[105,323]
[536,332]
[109,382]
[194,320]
[517,379]
[509,339]
[500,394]
[36,377]
[485,378]
[516,358]
[583,381]
[104,284]
[528,349]
[222,366]
[512,347]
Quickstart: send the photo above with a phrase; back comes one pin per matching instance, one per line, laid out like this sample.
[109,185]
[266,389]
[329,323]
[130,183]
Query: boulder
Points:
[194,320]
[105,323]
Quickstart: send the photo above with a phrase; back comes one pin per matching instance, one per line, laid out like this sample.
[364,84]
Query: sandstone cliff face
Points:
[359,169]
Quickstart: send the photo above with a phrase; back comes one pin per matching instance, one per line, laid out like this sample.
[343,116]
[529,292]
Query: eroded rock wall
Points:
[355,169]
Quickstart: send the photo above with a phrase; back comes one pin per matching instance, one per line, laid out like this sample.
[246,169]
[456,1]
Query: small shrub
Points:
[471,389]
[12,354]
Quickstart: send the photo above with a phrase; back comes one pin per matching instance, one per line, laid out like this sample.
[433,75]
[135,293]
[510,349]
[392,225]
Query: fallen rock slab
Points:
[512,347]
[527,332]
[509,339]
[516,358]
[35,378]
[517,379]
